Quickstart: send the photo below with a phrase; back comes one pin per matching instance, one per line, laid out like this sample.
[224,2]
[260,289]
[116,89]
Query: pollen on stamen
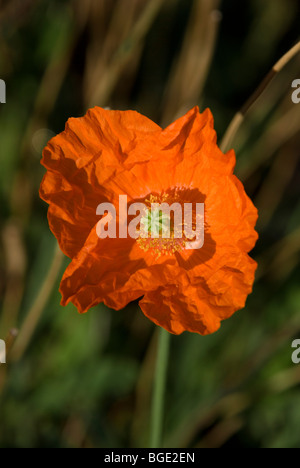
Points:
[160,245]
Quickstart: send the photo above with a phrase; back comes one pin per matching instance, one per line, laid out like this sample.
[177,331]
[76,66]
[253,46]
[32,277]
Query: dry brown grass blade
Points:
[108,29]
[221,433]
[51,83]
[104,79]
[239,117]
[283,255]
[9,341]
[15,268]
[279,133]
[279,176]
[28,327]
[190,71]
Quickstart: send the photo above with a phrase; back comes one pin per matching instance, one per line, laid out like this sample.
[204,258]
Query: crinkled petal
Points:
[199,305]
[177,310]
[90,151]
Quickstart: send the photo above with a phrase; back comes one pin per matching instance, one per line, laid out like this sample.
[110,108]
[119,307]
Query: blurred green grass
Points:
[85,381]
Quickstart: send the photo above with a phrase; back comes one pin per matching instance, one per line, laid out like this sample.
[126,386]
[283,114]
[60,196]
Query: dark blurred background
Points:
[85,381]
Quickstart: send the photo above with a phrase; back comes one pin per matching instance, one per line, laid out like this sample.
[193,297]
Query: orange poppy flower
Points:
[110,153]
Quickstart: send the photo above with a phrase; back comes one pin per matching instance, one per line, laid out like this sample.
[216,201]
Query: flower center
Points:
[161,226]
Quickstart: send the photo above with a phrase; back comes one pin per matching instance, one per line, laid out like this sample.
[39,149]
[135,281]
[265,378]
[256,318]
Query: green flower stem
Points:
[159,388]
